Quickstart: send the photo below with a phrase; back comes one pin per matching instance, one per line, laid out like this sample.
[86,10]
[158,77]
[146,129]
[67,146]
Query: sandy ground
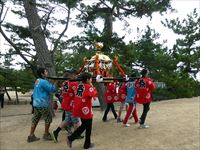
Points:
[174,125]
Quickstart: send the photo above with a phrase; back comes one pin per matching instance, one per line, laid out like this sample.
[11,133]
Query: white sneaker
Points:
[127,125]
[144,126]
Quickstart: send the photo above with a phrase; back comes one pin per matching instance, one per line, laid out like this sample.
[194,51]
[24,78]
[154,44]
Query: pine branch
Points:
[1,13]
[62,33]
[48,17]
[15,47]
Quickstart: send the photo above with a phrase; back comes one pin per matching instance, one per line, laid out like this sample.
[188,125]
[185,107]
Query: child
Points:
[131,92]
[110,97]
[121,98]
[68,89]
[83,109]
[144,88]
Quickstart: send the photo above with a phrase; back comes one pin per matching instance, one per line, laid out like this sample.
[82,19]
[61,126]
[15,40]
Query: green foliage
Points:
[21,31]
[178,85]
[69,3]
[141,8]
[2,80]
[22,79]
[25,80]
[183,86]
[163,94]
[163,67]
[184,56]
[187,50]
[71,60]
[152,55]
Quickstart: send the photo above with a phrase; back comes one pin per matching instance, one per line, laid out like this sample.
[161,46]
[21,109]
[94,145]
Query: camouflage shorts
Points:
[41,112]
[69,118]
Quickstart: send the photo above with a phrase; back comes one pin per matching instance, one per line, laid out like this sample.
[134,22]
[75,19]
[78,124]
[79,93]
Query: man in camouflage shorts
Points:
[41,104]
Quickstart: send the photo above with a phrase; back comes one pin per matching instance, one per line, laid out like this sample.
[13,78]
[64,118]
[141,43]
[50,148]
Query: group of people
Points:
[77,104]
[130,93]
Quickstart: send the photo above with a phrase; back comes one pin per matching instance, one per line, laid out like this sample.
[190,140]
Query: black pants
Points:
[86,126]
[144,113]
[2,100]
[63,115]
[109,106]
[32,111]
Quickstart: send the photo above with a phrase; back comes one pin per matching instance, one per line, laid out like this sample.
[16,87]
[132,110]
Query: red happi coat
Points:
[110,94]
[68,89]
[122,93]
[144,88]
[83,101]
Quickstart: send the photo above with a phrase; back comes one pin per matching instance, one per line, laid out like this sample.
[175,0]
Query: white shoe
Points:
[127,125]
[144,126]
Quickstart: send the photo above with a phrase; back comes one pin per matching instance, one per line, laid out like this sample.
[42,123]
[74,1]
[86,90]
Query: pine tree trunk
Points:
[43,54]
[9,98]
[101,88]
[16,94]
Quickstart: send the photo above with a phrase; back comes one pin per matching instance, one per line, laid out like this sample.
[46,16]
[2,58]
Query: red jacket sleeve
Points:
[151,85]
[90,91]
